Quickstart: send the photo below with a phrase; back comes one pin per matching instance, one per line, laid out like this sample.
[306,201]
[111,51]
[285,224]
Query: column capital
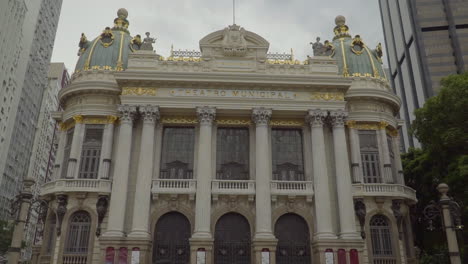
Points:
[149,113]
[338,118]
[316,117]
[127,112]
[261,116]
[206,115]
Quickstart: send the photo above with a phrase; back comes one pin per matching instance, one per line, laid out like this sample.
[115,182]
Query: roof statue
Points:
[148,42]
[234,43]
[320,49]
[83,44]
[136,43]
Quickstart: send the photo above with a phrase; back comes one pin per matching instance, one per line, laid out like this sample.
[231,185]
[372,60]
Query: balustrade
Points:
[394,190]
[75,259]
[232,187]
[176,186]
[77,185]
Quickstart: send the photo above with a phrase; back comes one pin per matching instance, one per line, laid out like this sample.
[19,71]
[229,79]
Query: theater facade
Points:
[229,154]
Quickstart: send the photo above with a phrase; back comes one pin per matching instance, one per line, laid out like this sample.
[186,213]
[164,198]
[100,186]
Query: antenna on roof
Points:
[233,12]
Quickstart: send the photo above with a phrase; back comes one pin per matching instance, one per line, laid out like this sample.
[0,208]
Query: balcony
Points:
[174,186]
[77,185]
[292,188]
[232,187]
[384,190]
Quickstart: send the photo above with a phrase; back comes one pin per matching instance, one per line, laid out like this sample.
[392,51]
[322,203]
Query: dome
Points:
[353,57]
[110,50]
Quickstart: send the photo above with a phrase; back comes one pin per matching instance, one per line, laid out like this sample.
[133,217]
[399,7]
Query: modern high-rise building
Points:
[45,142]
[426,41]
[228,154]
[22,95]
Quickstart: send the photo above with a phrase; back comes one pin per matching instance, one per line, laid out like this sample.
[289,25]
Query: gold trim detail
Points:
[374,69]
[234,122]
[392,131]
[327,96]
[64,126]
[88,60]
[345,64]
[78,119]
[287,123]
[140,91]
[366,125]
[181,120]
[119,66]
[112,119]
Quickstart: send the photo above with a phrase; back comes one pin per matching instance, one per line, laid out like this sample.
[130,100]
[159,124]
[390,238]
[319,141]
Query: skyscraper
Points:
[424,43]
[22,91]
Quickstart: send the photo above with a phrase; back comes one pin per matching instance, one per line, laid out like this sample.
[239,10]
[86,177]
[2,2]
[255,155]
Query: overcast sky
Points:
[285,24]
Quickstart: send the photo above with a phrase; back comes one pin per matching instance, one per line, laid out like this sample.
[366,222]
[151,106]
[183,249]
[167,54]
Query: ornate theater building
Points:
[229,154]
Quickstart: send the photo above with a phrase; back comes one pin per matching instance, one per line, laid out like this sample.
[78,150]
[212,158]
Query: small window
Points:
[392,156]
[91,152]
[78,234]
[177,153]
[370,156]
[287,155]
[381,238]
[232,154]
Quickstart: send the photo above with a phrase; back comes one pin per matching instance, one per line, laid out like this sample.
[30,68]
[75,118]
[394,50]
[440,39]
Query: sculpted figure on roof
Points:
[234,43]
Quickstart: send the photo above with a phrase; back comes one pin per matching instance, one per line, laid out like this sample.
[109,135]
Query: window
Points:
[50,242]
[177,153]
[287,155]
[78,234]
[232,154]
[369,156]
[381,238]
[91,152]
[66,152]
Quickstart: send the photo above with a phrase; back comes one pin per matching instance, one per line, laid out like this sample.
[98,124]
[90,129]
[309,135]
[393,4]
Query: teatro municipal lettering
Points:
[234,93]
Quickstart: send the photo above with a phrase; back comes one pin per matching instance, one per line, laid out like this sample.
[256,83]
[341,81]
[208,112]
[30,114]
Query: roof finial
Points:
[233,12]
[341,29]
[121,22]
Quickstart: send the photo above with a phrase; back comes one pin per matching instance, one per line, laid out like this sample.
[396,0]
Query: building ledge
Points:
[292,188]
[384,190]
[77,185]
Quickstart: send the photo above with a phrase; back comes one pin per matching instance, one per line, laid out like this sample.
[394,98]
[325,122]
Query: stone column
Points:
[120,180]
[206,116]
[323,210]
[387,173]
[14,252]
[107,142]
[141,206]
[75,147]
[343,177]
[355,152]
[264,238]
[62,136]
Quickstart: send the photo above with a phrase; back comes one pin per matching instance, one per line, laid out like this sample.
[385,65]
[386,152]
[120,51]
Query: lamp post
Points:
[22,203]
[449,212]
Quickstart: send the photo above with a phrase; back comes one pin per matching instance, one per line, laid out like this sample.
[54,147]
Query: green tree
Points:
[6,233]
[442,128]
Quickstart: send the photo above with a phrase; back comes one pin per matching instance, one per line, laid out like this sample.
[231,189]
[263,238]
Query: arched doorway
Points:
[292,233]
[171,239]
[232,240]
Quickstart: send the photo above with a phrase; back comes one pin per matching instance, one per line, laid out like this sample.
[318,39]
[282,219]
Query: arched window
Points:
[292,233]
[50,239]
[232,240]
[76,245]
[171,239]
[381,237]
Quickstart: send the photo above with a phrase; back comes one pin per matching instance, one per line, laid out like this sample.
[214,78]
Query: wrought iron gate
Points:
[171,242]
[293,240]
[232,240]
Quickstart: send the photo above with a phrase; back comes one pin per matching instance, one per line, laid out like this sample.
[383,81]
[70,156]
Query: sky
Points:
[286,24]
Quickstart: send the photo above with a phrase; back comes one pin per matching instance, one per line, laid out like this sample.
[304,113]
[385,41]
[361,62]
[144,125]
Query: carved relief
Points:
[149,113]
[62,201]
[127,112]
[338,118]
[316,117]
[261,116]
[234,43]
[101,209]
[396,208]
[206,115]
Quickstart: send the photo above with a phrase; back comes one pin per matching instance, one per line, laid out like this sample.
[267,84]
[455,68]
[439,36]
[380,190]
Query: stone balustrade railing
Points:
[292,188]
[233,187]
[77,185]
[175,186]
[384,190]
[75,259]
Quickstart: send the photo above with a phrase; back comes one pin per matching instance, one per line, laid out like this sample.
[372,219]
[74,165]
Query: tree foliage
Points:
[442,128]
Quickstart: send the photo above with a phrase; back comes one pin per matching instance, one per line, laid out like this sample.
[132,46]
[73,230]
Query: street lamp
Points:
[449,212]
